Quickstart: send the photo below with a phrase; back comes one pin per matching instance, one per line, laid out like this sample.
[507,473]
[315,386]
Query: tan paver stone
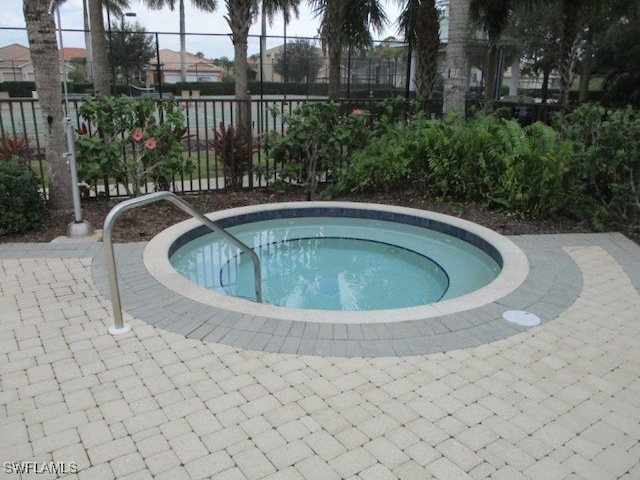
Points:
[386,453]
[50,443]
[176,473]
[209,466]
[253,463]
[462,456]
[615,460]
[508,454]
[293,430]
[105,452]
[547,469]
[445,469]
[554,434]
[224,438]
[95,433]
[152,445]
[352,462]
[314,468]
[127,464]
[269,440]
[289,454]
[188,447]
[97,472]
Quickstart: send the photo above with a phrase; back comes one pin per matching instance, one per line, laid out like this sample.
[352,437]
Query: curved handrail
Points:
[120,326]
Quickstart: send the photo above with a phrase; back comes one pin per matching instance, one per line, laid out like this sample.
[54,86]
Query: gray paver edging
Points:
[552,286]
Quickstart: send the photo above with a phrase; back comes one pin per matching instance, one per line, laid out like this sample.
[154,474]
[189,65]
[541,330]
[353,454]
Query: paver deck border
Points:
[553,284]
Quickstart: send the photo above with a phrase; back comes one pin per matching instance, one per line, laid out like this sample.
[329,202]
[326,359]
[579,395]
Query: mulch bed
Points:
[143,223]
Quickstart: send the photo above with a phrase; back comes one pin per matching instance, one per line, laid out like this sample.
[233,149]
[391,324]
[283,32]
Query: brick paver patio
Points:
[558,401]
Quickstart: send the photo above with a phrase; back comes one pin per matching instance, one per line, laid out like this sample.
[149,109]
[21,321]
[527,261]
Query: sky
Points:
[213,46]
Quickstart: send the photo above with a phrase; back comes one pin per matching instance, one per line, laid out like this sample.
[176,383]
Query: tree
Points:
[131,49]
[301,62]
[204,5]
[46,66]
[101,85]
[536,34]
[617,53]
[346,23]
[455,77]
[225,63]
[573,17]
[420,22]
[269,9]
[239,16]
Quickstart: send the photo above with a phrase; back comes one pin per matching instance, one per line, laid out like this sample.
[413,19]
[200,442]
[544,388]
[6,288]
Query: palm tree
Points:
[346,23]
[204,5]
[493,16]
[41,31]
[101,85]
[269,10]
[420,23]
[573,20]
[455,78]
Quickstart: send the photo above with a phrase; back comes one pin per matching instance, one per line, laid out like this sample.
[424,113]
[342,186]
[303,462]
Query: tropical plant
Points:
[346,23]
[204,5]
[420,22]
[318,140]
[607,160]
[11,147]
[145,142]
[235,154]
[392,160]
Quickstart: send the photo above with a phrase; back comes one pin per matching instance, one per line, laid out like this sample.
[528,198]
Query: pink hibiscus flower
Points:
[150,144]
[137,135]
[357,111]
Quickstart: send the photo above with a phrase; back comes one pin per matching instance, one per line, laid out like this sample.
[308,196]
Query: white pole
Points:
[77,228]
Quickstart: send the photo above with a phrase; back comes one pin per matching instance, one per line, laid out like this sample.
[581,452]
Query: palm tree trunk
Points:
[427,46]
[101,76]
[46,66]
[239,20]
[571,22]
[492,66]
[183,43]
[455,77]
[87,40]
[334,38]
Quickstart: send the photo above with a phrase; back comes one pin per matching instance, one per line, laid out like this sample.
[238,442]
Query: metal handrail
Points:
[120,326]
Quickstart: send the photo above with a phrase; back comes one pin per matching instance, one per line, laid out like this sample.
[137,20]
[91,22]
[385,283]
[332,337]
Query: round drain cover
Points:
[522,318]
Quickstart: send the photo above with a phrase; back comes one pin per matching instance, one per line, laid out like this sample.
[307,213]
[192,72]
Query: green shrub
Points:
[391,160]
[606,165]
[134,140]
[21,204]
[318,140]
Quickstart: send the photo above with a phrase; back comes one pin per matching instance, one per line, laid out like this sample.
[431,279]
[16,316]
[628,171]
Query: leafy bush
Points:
[391,160]
[318,139]
[488,160]
[21,204]
[135,140]
[606,165]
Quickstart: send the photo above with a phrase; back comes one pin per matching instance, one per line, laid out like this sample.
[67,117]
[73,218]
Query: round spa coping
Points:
[515,268]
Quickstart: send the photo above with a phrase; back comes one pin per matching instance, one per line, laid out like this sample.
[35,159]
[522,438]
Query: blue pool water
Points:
[333,263]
